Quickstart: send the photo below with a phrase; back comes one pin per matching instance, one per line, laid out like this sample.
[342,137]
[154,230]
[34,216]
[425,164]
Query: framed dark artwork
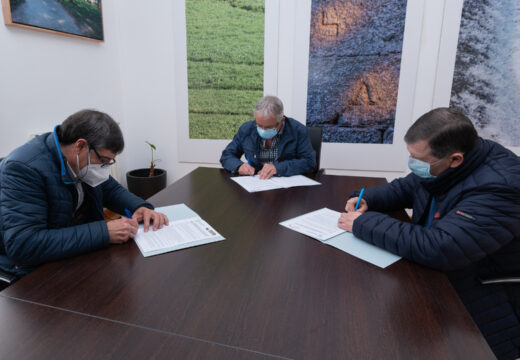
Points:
[76,18]
[354,68]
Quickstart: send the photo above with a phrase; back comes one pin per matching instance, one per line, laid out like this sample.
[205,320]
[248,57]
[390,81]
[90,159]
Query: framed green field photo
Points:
[77,18]
[225,55]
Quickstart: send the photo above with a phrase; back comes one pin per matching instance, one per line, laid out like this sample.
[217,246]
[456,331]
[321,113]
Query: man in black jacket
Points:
[465,195]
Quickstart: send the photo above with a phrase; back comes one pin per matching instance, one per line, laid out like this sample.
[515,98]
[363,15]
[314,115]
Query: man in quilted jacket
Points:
[272,144]
[465,196]
[53,190]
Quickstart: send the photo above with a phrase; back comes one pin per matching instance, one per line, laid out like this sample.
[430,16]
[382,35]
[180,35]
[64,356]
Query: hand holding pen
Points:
[357,203]
[355,207]
[246,169]
[120,230]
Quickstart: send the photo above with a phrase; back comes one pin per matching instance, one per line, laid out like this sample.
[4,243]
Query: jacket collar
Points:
[54,145]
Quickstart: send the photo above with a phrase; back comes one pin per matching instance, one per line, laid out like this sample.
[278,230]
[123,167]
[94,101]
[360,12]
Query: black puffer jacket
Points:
[474,234]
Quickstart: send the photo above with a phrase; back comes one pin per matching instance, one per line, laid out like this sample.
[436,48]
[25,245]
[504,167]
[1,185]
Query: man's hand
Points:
[120,230]
[351,204]
[346,220]
[145,215]
[246,169]
[267,171]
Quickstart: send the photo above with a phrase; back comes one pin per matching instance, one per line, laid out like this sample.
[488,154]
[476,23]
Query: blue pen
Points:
[359,198]
[249,162]
[128,213]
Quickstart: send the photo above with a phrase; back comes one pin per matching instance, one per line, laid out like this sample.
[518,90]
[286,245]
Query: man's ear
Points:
[79,145]
[456,159]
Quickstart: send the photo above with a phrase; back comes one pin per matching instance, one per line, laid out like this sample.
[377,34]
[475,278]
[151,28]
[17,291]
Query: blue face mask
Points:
[420,168]
[266,133]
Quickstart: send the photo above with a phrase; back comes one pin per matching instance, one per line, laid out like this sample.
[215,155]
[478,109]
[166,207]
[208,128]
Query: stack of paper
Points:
[323,225]
[186,229]
[254,184]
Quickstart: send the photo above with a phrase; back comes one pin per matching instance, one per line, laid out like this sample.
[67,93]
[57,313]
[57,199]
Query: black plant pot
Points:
[144,186]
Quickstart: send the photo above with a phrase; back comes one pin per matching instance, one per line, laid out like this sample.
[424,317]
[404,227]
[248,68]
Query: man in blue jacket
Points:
[53,190]
[272,144]
[465,195]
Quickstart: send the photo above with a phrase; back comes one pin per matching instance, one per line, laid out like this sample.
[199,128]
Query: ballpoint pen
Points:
[249,162]
[359,199]
[128,213]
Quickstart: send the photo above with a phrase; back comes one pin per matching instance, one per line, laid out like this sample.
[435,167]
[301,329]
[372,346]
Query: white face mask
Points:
[95,174]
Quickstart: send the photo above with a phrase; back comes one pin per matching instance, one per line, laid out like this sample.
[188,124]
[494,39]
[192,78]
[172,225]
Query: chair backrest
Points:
[315,134]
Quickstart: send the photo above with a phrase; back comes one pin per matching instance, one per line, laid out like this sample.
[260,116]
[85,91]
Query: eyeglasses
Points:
[104,163]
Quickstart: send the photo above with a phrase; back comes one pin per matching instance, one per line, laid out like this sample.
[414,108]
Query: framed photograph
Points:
[479,72]
[389,112]
[287,46]
[76,18]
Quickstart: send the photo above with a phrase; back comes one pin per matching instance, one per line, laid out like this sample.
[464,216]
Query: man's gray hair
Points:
[270,106]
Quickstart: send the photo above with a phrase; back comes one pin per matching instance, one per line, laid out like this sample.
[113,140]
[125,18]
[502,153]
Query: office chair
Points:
[5,279]
[315,136]
[501,280]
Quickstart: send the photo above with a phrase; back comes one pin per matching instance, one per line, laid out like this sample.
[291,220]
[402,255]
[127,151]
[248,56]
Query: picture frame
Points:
[74,18]
[489,113]
[286,54]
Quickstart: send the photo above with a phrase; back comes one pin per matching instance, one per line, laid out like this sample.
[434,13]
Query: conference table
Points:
[266,292]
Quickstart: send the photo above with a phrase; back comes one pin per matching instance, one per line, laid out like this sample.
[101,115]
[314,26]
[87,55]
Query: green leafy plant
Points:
[152,163]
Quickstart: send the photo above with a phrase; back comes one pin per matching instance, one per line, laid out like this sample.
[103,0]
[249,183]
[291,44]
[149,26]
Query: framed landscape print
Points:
[77,18]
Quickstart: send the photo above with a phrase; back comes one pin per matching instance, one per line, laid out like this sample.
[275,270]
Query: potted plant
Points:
[147,181]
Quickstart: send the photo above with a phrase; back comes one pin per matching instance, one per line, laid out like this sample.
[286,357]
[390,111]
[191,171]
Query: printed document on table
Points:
[322,225]
[186,229]
[254,184]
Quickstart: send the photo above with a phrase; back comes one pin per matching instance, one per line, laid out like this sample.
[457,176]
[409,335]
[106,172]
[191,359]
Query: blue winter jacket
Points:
[474,234]
[38,221]
[295,153]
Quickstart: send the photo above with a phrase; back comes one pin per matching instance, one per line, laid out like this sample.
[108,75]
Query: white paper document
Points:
[254,184]
[322,225]
[186,229]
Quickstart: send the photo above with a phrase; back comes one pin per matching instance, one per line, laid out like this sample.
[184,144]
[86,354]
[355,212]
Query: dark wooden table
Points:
[264,292]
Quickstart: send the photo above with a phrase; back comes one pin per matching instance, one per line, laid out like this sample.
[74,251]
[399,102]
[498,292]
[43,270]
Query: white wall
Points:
[46,77]
[146,66]
[132,76]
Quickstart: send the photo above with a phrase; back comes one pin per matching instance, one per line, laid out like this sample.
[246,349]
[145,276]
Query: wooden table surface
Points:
[265,291]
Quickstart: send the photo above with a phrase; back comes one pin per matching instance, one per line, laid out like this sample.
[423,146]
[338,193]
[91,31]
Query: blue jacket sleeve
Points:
[453,242]
[230,158]
[26,236]
[396,195]
[305,160]
[117,198]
